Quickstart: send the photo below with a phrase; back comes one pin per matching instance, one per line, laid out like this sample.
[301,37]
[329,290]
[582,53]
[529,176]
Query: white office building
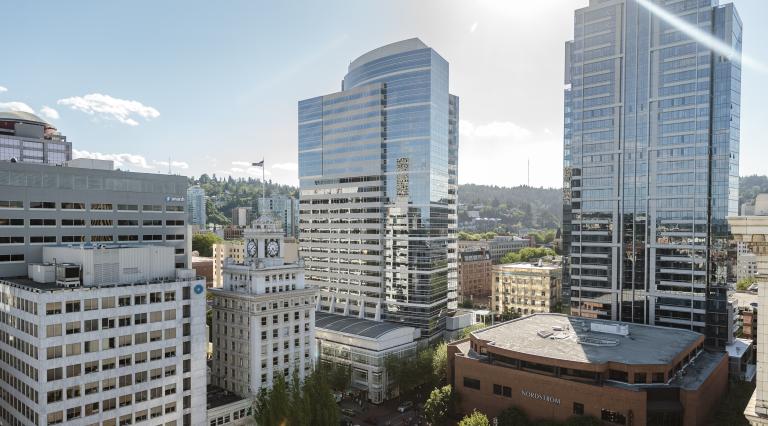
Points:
[103,335]
[263,316]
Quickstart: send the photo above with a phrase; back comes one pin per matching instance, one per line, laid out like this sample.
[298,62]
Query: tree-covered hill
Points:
[516,207]
[224,194]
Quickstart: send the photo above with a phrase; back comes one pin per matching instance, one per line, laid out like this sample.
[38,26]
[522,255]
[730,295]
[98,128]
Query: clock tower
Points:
[263,315]
[264,241]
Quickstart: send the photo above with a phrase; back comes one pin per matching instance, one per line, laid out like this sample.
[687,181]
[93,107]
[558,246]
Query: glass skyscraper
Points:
[378,181]
[651,164]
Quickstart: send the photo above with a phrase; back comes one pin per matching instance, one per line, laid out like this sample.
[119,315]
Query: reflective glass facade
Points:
[378,177]
[651,148]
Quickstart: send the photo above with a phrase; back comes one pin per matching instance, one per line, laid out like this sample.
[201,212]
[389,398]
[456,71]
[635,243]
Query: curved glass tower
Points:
[378,177]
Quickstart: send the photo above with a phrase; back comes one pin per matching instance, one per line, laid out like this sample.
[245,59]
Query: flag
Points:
[259,164]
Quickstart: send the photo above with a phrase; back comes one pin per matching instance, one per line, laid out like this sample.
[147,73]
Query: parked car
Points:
[405,406]
[348,412]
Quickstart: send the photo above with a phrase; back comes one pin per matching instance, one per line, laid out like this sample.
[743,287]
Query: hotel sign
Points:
[540,396]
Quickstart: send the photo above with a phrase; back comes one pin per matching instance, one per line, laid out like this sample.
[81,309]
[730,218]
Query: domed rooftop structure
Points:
[23,117]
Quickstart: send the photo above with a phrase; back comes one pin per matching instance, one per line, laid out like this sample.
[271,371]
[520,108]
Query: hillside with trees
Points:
[516,208]
[750,186]
[224,194]
[519,207]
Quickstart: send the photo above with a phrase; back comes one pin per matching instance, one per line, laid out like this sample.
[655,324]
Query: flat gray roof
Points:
[352,325]
[575,342]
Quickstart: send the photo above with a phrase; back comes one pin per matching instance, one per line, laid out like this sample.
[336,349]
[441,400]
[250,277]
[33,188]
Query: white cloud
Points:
[292,167]
[110,108]
[242,163]
[16,106]
[473,27]
[3,89]
[121,160]
[49,113]
[176,164]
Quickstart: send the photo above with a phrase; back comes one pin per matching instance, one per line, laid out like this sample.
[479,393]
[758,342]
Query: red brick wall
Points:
[593,397]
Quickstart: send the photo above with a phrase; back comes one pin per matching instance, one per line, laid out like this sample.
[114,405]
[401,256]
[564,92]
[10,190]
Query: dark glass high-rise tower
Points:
[378,182]
[652,164]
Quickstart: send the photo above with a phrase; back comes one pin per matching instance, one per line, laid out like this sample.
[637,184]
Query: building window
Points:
[496,389]
[578,409]
[42,205]
[471,383]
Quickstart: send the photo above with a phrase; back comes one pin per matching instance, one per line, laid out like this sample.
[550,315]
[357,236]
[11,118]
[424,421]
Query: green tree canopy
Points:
[527,254]
[513,416]
[476,418]
[203,243]
[438,406]
[296,403]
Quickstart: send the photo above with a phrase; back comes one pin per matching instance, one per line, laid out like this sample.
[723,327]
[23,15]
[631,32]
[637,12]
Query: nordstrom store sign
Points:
[540,396]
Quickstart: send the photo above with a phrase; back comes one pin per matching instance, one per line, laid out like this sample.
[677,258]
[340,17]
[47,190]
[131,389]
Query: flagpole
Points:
[263,179]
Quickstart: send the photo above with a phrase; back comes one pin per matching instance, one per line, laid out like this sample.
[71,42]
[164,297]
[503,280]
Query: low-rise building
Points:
[475,271]
[203,267]
[226,408]
[364,344]
[526,288]
[554,366]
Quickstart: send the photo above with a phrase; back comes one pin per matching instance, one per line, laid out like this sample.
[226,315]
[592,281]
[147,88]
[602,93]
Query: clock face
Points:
[251,248]
[272,248]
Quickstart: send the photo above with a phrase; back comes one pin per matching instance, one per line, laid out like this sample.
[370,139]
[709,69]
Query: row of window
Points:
[78,369]
[91,222]
[110,404]
[51,205]
[236,415]
[108,302]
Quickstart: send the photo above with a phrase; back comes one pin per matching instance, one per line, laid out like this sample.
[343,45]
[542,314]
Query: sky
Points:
[214,86]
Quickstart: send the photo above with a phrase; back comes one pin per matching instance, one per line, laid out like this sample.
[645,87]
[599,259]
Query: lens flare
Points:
[702,37]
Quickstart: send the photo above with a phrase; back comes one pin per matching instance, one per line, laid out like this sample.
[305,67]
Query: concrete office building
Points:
[378,181]
[27,138]
[263,316]
[241,217]
[196,206]
[364,345]
[87,202]
[284,208]
[108,335]
[652,118]
[526,288]
[234,250]
[475,272]
[757,408]
[553,366]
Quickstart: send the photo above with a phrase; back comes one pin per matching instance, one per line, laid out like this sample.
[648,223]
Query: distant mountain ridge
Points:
[529,206]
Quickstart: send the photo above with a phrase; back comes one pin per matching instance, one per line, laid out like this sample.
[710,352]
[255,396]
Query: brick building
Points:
[554,366]
[475,273]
